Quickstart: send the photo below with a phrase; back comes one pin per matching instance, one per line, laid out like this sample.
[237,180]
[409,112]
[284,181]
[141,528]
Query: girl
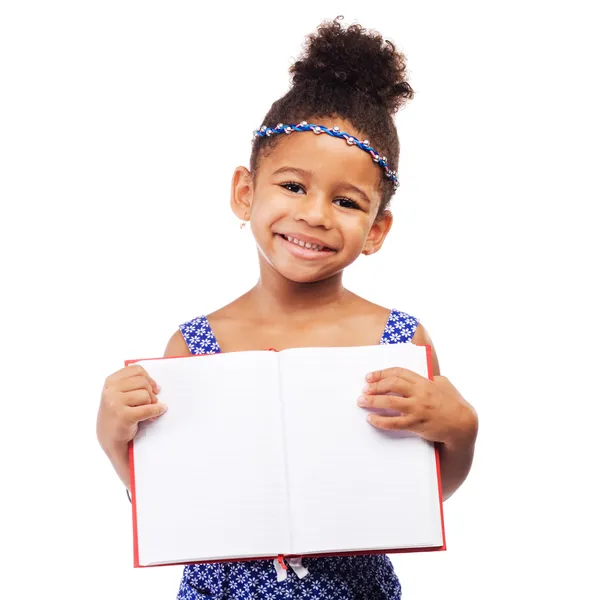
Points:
[316,197]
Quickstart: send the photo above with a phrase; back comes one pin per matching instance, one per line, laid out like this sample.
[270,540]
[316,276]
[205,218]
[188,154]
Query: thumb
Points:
[153,411]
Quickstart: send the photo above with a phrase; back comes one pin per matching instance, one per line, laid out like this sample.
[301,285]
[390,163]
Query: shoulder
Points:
[404,327]
[181,343]
[422,338]
[195,336]
[400,327]
[177,346]
[369,312]
[404,319]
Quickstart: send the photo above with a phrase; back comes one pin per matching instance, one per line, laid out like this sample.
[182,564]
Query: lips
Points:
[308,242]
[309,252]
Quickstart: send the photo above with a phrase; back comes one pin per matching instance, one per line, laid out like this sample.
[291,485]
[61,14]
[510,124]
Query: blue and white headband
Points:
[265,131]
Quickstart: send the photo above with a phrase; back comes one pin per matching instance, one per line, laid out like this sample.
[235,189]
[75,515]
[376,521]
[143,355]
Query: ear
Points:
[379,230]
[242,190]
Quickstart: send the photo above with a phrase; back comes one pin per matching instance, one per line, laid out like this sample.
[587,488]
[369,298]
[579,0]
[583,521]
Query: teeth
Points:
[303,244]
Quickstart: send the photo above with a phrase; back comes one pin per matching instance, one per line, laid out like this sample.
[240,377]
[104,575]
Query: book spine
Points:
[285,459]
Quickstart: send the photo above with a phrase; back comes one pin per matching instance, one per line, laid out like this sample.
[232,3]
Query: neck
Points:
[274,296]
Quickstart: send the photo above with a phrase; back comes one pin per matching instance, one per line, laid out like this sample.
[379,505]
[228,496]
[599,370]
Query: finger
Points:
[397,403]
[130,371]
[390,385]
[138,382]
[140,371]
[139,398]
[404,422]
[393,372]
[144,413]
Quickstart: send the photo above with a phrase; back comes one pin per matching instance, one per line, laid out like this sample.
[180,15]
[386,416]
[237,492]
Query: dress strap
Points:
[199,336]
[400,328]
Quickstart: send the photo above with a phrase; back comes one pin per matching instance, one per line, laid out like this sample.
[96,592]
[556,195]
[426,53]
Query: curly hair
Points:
[352,74]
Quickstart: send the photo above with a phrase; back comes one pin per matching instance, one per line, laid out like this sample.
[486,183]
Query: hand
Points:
[128,397]
[433,409]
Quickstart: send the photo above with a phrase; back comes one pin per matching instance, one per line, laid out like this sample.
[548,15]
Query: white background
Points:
[120,125]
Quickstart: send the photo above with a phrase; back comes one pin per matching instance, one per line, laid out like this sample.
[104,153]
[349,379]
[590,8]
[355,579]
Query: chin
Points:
[306,275]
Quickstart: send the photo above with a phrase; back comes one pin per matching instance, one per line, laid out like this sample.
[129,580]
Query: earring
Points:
[244,221]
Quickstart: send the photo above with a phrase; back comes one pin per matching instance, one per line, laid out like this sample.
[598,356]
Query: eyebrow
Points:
[308,174]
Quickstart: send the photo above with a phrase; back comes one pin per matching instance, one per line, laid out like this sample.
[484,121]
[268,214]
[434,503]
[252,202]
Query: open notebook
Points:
[263,454]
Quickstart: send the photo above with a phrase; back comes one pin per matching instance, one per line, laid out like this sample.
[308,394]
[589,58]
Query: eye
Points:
[292,187]
[347,203]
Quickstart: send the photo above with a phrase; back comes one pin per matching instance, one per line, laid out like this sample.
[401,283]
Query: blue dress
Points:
[361,577]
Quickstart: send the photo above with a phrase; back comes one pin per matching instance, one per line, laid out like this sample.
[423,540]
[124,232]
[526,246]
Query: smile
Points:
[304,248]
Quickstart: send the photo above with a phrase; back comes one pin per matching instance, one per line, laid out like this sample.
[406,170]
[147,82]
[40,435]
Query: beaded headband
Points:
[265,131]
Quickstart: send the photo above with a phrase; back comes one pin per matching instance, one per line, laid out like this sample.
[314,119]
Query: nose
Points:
[315,210]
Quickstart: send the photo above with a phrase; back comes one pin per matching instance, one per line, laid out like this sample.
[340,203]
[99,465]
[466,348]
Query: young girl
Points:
[316,196]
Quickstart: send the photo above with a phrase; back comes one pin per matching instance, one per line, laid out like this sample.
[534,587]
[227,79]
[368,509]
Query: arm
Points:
[116,447]
[456,452]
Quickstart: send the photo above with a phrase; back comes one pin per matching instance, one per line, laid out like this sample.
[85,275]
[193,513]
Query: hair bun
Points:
[356,59]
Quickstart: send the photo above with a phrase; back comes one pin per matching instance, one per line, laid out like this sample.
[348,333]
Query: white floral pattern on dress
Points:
[400,328]
[361,577]
[199,336]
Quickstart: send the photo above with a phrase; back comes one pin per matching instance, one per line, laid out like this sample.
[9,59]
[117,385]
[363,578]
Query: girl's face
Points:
[313,204]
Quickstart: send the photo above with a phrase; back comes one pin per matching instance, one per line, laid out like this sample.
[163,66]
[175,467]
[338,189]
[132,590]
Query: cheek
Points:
[268,210]
[264,216]
[356,232]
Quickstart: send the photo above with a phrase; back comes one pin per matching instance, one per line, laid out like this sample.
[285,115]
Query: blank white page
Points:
[209,473]
[352,486]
